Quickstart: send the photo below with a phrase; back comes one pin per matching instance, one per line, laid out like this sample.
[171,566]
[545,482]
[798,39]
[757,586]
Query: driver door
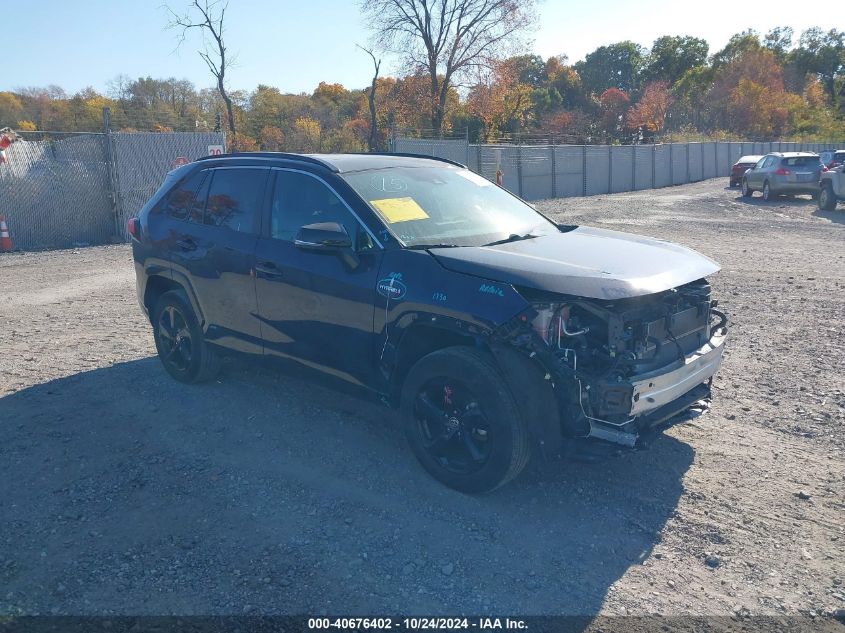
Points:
[315,307]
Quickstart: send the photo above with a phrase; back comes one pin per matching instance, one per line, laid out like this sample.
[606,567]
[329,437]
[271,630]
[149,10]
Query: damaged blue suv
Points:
[498,333]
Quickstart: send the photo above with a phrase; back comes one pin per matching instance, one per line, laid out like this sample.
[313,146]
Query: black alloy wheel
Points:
[462,421]
[453,426]
[174,339]
[180,342]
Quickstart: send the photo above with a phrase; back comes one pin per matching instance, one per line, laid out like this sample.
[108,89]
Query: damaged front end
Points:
[618,368]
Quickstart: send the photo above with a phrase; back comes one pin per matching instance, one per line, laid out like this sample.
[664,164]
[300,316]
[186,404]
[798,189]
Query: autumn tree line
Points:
[780,85]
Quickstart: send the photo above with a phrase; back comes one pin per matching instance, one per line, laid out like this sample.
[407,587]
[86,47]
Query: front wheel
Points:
[179,340]
[462,421]
[827,201]
[747,191]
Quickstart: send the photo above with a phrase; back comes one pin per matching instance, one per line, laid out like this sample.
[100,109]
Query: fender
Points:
[415,291]
[182,280]
[534,395]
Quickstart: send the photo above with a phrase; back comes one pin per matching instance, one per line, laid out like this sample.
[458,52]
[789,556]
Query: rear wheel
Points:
[462,421]
[767,192]
[179,340]
[747,191]
[827,200]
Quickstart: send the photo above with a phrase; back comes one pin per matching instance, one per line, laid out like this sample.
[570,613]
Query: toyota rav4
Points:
[497,332]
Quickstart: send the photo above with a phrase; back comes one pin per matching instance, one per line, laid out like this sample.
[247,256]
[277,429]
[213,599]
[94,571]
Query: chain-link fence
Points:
[142,160]
[535,172]
[54,191]
[61,190]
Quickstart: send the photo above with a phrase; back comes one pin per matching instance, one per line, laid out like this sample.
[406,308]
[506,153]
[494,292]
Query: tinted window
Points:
[801,161]
[197,207]
[180,202]
[234,198]
[299,199]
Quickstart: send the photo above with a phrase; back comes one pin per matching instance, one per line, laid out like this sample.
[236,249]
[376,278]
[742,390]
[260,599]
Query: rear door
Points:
[314,306]
[215,251]
[754,176]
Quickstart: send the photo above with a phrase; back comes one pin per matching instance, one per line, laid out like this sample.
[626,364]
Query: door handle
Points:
[269,269]
[186,244]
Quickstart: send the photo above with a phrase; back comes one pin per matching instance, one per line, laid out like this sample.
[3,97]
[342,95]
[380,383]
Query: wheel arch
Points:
[158,284]
[524,377]
[419,340]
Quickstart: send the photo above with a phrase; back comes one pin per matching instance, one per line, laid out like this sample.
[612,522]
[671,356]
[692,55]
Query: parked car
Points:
[832,184]
[832,158]
[739,167]
[783,173]
[495,331]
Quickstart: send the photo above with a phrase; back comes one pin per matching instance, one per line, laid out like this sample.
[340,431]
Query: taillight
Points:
[133,227]
[782,172]
[824,168]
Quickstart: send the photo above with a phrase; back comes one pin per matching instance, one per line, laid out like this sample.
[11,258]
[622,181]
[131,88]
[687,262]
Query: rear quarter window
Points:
[181,202]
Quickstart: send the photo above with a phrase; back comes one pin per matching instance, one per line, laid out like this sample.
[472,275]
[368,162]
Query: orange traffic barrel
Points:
[5,238]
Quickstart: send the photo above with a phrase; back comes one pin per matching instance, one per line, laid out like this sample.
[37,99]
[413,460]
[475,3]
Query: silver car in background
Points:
[787,173]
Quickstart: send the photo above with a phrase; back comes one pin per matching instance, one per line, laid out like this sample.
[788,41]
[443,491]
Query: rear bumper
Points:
[795,187]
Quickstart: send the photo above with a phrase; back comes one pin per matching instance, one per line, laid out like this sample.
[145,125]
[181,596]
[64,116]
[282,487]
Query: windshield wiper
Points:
[423,247]
[513,237]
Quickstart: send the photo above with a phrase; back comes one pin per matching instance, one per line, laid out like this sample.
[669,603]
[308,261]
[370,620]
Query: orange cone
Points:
[5,238]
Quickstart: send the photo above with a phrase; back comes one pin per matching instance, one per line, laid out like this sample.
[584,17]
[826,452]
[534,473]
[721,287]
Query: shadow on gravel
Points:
[757,201]
[837,216]
[262,493]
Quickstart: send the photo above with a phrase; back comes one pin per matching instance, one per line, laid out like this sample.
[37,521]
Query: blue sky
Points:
[294,45]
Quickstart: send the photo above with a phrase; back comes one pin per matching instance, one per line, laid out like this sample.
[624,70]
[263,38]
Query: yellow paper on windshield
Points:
[395,210]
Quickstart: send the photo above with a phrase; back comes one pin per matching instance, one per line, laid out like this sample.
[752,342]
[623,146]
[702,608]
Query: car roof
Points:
[751,158]
[792,154]
[344,163]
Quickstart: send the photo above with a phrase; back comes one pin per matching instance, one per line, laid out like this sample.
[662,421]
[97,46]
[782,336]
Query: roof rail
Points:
[284,155]
[408,155]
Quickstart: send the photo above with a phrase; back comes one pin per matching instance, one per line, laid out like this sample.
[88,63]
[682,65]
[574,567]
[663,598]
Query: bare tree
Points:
[207,16]
[447,38]
[372,141]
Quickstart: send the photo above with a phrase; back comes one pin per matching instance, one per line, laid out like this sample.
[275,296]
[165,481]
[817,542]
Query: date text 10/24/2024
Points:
[417,623]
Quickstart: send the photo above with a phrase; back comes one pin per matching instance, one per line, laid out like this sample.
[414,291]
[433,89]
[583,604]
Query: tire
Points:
[747,191]
[731,184]
[179,340]
[827,199]
[462,421]
[767,192]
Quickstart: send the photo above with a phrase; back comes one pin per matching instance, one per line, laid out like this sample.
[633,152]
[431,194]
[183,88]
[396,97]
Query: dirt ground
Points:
[125,492]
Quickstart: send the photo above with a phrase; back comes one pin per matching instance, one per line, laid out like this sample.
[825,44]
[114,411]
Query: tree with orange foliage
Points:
[498,98]
[613,103]
[649,113]
[271,139]
[446,39]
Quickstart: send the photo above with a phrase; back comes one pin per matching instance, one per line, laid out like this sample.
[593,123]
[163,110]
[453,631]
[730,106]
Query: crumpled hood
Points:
[585,262]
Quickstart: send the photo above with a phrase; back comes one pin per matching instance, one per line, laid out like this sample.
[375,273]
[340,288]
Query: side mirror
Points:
[328,237]
[325,236]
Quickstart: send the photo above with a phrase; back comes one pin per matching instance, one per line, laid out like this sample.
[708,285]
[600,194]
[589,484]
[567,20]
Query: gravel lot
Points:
[125,492]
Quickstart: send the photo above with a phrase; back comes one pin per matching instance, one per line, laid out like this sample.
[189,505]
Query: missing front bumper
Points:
[662,394]
[659,388]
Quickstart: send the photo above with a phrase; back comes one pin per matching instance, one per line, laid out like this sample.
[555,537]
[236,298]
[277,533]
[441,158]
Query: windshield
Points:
[444,206]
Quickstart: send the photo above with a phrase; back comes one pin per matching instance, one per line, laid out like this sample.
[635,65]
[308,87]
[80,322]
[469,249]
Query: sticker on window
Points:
[481,181]
[395,210]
